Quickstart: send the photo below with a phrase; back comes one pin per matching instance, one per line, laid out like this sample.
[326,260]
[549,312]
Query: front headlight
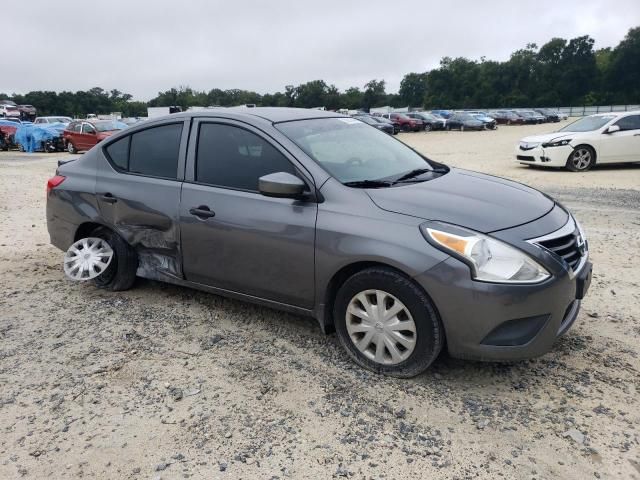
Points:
[490,260]
[558,143]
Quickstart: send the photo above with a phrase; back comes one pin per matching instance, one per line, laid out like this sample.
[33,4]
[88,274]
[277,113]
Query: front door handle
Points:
[109,198]
[202,212]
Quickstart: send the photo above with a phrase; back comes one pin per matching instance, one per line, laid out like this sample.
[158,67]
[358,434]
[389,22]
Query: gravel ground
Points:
[167,382]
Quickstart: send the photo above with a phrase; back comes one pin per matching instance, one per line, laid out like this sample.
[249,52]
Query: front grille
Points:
[566,247]
[526,158]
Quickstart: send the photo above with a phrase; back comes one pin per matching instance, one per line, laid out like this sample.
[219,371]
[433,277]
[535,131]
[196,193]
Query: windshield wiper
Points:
[368,184]
[412,174]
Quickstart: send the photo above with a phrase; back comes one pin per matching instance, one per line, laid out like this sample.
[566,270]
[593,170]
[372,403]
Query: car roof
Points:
[271,114]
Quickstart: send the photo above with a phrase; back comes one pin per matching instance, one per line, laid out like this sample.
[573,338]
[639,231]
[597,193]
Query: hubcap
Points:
[87,258]
[581,158]
[381,327]
[70,147]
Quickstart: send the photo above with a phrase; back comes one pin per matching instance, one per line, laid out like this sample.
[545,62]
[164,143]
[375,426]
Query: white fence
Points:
[582,111]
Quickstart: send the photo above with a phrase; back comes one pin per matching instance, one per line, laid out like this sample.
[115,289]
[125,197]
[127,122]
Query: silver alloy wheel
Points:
[87,258]
[581,158]
[70,147]
[381,327]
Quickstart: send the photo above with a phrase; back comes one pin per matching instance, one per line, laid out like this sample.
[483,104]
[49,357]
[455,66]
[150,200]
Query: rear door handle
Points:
[202,212]
[109,198]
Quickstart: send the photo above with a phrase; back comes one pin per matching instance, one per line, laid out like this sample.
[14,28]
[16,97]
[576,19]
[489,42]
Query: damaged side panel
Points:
[144,211]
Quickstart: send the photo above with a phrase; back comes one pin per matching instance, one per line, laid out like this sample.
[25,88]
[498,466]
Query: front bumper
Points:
[544,157]
[491,321]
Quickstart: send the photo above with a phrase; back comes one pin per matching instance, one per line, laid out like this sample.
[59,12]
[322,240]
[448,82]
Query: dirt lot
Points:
[166,382]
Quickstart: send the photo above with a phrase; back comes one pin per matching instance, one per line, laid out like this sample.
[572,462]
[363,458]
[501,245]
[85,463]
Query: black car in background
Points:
[464,121]
[506,117]
[396,126]
[369,120]
[548,114]
[430,121]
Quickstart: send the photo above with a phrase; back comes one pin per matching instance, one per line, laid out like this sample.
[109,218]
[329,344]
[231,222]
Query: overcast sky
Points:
[142,47]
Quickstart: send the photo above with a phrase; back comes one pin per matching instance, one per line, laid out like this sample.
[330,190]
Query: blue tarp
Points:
[31,136]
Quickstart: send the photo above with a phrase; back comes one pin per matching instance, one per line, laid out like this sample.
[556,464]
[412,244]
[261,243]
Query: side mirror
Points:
[281,185]
[612,129]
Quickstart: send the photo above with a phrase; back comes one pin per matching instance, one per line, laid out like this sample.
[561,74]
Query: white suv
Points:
[602,138]
[9,111]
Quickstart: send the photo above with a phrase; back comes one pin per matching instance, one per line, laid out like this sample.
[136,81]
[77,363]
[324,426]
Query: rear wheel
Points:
[581,159]
[387,324]
[121,272]
[462,127]
[406,127]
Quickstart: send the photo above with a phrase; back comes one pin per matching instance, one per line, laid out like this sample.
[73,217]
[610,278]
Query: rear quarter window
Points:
[118,153]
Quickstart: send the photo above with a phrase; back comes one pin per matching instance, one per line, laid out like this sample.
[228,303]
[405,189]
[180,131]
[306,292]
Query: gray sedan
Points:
[323,215]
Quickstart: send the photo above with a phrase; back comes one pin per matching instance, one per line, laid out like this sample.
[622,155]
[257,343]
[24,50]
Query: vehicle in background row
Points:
[8,110]
[395,126]
[27,112]
[64,120]
[601,138]
[369,120]
[506,117]
[319,214]
[8,127]
[490,123]
[531,117]
[84,135]
[406,124]
[430,121]
[463,121]
[548,114]
[443,113]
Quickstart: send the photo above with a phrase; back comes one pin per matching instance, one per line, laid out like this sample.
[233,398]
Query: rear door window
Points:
[155,151]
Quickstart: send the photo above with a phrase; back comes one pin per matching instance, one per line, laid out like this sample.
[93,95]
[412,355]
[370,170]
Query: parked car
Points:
[406,124]
[443,113]
[27,112]
[8,110]
[8,127]
[395,126]
[596,139]
[83,135]
[549,115]
[506,117]
[488,122]
[369,120]
[315,213]
[53,119]
[531,117]
[463,121]
[430,121]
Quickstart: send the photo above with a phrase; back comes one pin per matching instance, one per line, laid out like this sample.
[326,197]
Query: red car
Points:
[84,134]
[406,123]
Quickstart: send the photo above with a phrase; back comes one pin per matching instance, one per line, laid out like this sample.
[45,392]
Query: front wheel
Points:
[462,128]
[427,127]
[387,324]
[71,147]
[581,159]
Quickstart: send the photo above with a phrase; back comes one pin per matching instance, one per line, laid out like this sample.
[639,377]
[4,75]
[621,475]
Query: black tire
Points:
[574,165]
[121,273]
[429,330]
[406,127]
[71,148]
[427,127]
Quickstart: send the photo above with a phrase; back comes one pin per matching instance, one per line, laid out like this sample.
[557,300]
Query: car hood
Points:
[481,202]
[548,137]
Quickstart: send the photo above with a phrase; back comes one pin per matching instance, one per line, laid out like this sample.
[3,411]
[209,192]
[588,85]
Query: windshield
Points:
[588,124]
[351,151]
[109,125]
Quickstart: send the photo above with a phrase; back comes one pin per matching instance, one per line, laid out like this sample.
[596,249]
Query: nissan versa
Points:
[323,215]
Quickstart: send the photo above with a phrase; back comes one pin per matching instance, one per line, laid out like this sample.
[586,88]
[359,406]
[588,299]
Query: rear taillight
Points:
[54,182]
